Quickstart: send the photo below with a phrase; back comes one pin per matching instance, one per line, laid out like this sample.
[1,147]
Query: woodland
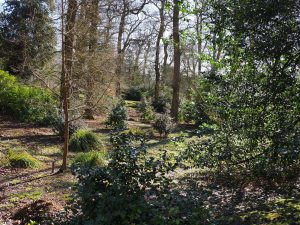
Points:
[150,112]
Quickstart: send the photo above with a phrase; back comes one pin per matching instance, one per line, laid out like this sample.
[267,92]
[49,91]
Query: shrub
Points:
[147,110]
[84,141]
[161,104]
[132,189]
[134,93]
[25,103]
[89,159]
[188,111]
[22,160]
[164,125]
[58,126]
[117,117]
[149,114]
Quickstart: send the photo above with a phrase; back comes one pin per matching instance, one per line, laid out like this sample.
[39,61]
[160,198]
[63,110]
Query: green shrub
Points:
[134,93]
[84,141]
[117,117]
[57,125]
[22,160]
[89,159]
[161,105]
[164,124]
[132,189]
[147,110]
[25,103]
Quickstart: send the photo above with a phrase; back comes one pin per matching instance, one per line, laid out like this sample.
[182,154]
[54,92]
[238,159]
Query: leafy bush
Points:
[57,125]
[117,117]
[188,111]
[147,110]
[89,159]
[132,189]
[84,141]
[134,93]
[29,104]
[164,125]
[22,159]
[161,105]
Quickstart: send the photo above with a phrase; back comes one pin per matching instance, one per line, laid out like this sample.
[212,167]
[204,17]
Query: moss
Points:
[31,195]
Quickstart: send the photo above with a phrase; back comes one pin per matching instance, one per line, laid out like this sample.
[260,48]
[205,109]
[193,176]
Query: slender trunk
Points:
[199,28]
[176,76]
[157,53]
[67,65]
[120,54]
[165,62]
[146,56]
[93,19]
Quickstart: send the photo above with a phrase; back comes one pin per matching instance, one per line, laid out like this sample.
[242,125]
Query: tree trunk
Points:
[157,53]
[120,54]
[176,76]
[93,19]
[67,65]
[199,28]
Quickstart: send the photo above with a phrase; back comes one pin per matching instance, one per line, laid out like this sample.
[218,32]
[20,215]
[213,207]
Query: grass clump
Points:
[90,159]
[22,160]
[84,141]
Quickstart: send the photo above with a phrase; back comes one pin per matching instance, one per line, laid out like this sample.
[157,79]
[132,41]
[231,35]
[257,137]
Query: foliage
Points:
[27,36]
[22,160]
[161,105]
[84,141]
[147,110]
[135,93]
[132,189]
[89,159]
[164,124]
[29,104]
[58,122]
[188,111]
[118,116]
[255,100]
[138,133]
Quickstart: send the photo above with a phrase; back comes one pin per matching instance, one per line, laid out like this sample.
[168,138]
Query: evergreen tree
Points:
[27,36]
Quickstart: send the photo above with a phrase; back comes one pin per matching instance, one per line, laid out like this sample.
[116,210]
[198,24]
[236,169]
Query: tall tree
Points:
[177,53]
[27,36]
[68,37]
[161,31]
[128,7]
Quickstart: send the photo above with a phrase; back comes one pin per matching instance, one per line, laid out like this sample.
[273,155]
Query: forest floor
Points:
[30,194]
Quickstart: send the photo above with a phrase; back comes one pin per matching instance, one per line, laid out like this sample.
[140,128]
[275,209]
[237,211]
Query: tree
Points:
[254,100]
[68,36]
[27,36]
[128,7]
[161,31]
[177,62]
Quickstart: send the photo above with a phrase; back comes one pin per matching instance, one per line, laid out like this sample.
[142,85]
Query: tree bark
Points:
[120,55]
[176,75]
[157,53]
[199,28]
[67,64]
[93,19]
